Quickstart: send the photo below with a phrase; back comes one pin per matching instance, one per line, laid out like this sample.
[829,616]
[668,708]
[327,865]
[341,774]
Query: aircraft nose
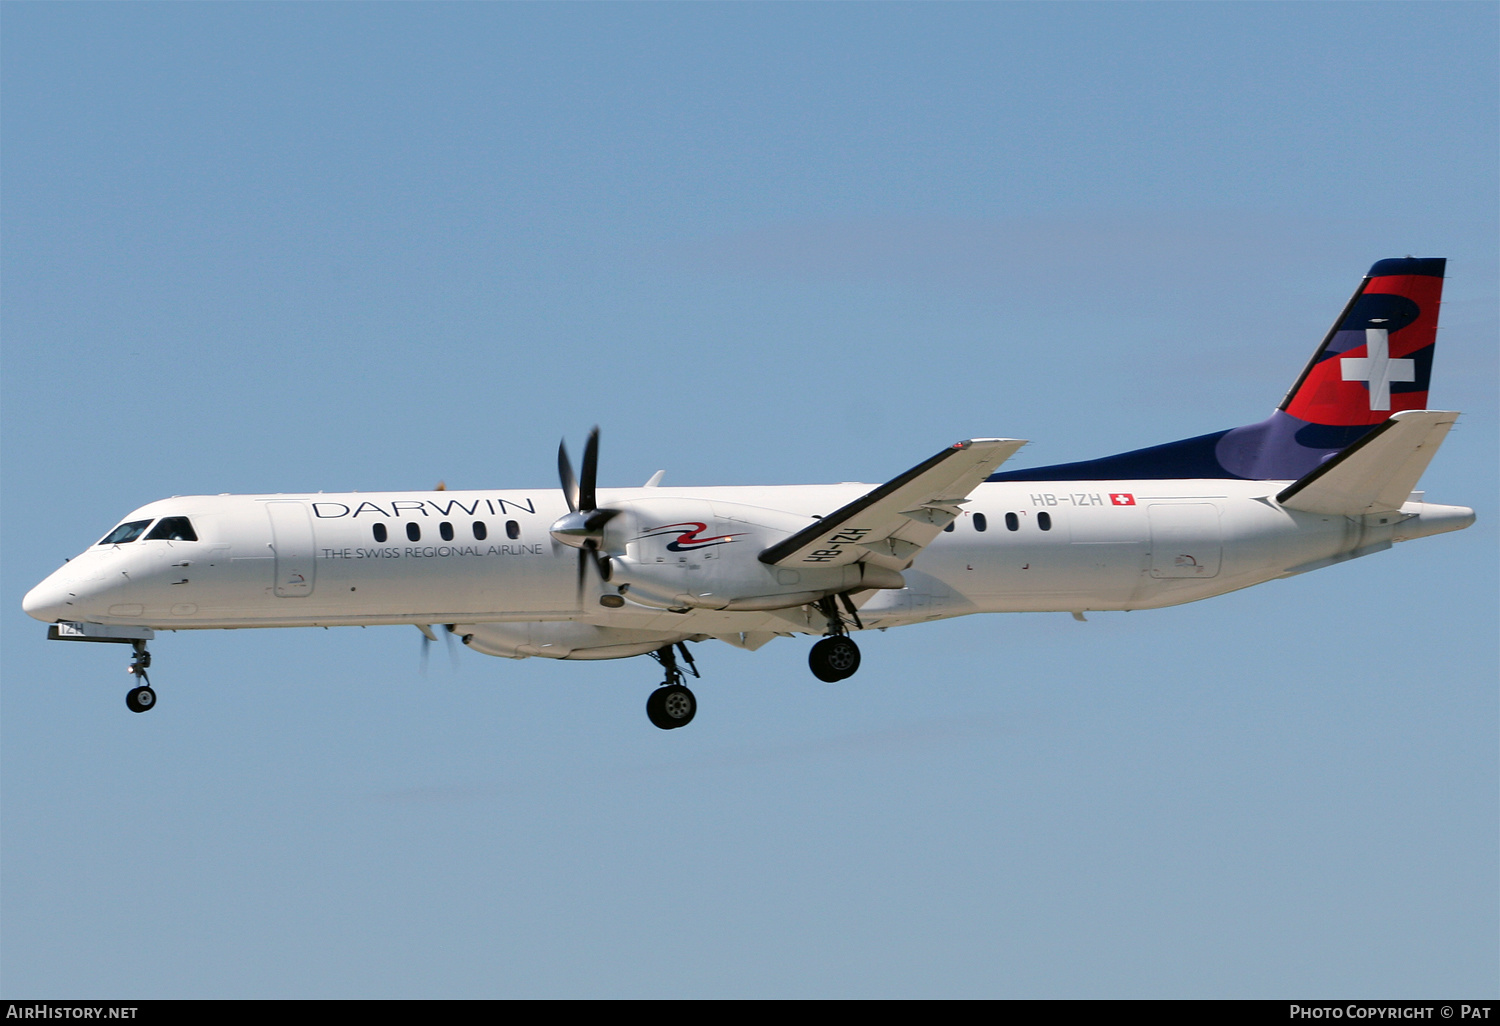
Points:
[49,601]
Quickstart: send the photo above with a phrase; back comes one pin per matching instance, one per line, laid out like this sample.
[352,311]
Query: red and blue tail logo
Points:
[1376,361]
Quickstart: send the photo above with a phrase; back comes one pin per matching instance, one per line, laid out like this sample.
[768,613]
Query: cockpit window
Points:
[173,529]
[125,533]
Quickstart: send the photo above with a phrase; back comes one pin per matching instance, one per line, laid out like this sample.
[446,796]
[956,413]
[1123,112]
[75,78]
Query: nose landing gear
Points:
[672,705]
[141,698]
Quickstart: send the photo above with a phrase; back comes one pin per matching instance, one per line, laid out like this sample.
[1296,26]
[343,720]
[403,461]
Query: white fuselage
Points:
[486,558]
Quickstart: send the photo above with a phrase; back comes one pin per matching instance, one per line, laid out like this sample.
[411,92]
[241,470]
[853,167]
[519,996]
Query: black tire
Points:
[834,659]
[671,707]
[141,699]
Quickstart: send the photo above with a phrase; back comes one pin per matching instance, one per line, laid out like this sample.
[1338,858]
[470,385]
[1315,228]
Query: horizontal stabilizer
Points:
[1377,473]
[891,524]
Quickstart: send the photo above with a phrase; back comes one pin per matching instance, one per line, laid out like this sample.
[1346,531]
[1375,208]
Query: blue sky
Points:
[297,247]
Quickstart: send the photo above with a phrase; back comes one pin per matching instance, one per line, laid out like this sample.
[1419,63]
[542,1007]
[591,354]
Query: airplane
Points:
[583,572]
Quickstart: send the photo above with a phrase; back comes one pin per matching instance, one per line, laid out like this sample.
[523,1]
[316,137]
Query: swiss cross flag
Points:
[1122,498]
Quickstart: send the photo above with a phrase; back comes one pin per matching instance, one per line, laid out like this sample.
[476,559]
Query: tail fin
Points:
[1375,361]
[1383,342]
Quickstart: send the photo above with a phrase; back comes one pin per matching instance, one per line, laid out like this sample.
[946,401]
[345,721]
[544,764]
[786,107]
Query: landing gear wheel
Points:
[671,706]
[140,699]
[834,659]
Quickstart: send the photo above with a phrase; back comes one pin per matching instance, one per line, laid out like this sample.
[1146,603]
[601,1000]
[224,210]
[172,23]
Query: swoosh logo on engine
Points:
[688,540]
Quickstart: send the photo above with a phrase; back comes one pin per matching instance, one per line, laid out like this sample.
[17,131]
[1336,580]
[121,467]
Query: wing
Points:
[894,522]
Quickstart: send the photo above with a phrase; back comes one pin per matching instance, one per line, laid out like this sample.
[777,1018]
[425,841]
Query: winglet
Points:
[1375,474]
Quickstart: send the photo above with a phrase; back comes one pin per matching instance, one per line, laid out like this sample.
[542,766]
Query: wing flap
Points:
[891,524]
[1375,474]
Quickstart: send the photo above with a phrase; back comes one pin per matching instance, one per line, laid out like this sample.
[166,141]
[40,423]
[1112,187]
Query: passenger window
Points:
[173,529]
[949,527]
[981,522]
[414,531]
[446,530]
[1012,522]
[1044,521]
[512,529]
[379,530]
[480,531]
[125,533]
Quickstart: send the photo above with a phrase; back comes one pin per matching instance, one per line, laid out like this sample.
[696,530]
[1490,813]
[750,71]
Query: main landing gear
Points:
[140,698]
[836,657]
[833,658]
[672,705]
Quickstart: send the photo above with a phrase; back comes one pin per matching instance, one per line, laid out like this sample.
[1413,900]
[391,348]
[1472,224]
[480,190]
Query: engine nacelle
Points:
[675,553]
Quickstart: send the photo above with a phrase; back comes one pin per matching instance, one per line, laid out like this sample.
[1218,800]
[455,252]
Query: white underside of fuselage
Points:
[315,560]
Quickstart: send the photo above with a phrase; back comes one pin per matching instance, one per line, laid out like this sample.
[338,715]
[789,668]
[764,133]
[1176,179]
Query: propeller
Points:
[428,637]
[582,526]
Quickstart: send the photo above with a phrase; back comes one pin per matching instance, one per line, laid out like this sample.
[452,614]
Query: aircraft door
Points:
[292,541]
[1185,540]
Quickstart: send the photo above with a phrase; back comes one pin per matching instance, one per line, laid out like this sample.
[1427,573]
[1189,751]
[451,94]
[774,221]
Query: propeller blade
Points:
[596,519]
[427,640]
[586,495]
[583,568]
[452,652]
[589,551]
[429,637]
[569,482]
[583,525]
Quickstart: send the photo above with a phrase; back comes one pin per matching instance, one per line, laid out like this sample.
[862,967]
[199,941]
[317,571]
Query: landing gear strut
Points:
[140,698]
[836,657]
[672,705]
